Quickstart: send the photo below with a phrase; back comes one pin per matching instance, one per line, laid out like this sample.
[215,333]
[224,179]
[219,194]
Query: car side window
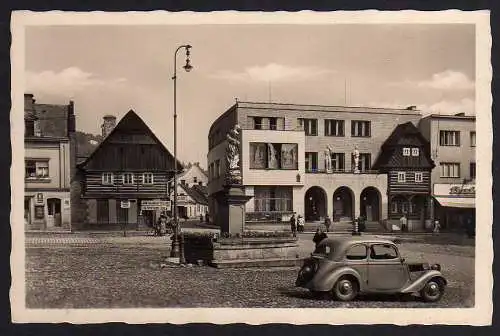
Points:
[356,252]
[383,252]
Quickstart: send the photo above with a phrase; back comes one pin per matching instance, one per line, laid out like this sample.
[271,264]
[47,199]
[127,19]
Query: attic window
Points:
[406,151]
[415,152]
[195,179]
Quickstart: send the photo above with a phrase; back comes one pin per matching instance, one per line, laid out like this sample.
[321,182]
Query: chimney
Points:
[461,114]
[412,108]
[109,122]
[29,105]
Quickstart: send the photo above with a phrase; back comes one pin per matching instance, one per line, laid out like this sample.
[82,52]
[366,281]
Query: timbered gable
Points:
[131,146]
[405,148]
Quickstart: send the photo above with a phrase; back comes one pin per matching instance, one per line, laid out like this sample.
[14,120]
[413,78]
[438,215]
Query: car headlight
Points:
[436,267]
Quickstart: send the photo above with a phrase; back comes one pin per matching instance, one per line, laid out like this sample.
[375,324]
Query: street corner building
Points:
[453,148]
[49,164]
[192,194]
[124,182]
[337,161]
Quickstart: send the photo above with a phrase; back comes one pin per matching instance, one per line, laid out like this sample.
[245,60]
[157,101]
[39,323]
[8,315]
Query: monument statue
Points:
[355,154]
[328,159]
[233,175]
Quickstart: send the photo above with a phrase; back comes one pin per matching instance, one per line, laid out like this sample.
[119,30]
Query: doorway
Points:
[370,204]
[343,204]
[27,211]
[315,204]
[54,212]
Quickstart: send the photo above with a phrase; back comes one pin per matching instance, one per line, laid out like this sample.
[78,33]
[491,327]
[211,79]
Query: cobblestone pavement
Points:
[125,272]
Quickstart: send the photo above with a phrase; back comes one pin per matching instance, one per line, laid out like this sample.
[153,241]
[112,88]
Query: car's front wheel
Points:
[346,289]
[432,291]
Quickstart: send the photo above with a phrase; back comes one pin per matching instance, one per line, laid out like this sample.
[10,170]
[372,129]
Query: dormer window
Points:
[107,178]
[406,151]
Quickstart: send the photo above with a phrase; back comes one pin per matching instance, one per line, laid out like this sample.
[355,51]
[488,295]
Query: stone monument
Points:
[232,214]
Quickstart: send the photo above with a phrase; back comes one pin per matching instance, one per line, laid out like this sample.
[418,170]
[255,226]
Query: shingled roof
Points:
[52,119]
[196,194]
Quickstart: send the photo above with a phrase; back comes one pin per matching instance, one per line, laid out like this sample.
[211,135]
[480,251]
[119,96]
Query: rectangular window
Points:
[364,161]
[406,151]
[450,169]
[401,177]
[360,128]
[195,179]
[128,178]
[472,170]
[419,177]
[273,199]
[338,162]
[334,127]
[107,178]
[273,156]
[257,123]
[473,139]
[449,138]
[311,161]
[394,206]
[310,126]
[147,178]
[36,169]
[29,128]
[415,152]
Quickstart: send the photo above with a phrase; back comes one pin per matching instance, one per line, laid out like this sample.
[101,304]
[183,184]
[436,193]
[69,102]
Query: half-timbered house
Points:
[125,179]
[405,157]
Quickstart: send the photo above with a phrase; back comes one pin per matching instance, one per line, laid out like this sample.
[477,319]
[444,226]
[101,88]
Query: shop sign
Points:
[39,198]
[463,190]
[155,205]
[125,204]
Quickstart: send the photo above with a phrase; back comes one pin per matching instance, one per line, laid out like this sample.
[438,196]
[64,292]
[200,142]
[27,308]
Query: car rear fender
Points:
[420,282]
[327,281]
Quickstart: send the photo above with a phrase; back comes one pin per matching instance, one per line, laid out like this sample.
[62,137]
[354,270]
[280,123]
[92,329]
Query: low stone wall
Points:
[224,250]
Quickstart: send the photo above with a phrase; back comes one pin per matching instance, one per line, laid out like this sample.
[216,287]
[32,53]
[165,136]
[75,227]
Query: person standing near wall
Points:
[293,225]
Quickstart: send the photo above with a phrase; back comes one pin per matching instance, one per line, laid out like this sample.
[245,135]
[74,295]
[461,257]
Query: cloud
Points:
[466,105]
[446,80]
[447,107]
[273,72]
[68,82]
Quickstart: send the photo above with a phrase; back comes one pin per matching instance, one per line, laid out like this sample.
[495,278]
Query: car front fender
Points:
[327,281]
[420,282]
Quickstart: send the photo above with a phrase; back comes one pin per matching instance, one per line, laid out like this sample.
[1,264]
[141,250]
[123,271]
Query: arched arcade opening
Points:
[315,204]
[370,204]
[343,204]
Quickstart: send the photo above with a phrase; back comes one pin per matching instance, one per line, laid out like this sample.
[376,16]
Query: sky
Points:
[113,69]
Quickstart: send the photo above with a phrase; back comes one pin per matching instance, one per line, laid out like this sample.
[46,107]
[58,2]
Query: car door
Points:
[356,257]
[386,271]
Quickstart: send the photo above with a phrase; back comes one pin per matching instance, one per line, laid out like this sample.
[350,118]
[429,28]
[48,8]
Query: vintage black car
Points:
[349,266]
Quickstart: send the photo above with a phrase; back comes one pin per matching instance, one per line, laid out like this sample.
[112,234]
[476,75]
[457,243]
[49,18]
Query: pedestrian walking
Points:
[300,223]
[293,225]
[319,235]
[162,225]
[437,226]
[403,221]
[328,223]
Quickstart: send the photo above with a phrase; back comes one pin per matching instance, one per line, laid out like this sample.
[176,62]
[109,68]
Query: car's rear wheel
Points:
[346,289]
[432,291]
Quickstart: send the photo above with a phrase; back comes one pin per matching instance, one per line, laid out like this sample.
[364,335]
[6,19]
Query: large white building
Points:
[299,158]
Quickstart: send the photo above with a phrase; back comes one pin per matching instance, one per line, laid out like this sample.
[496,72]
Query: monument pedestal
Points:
[232,214]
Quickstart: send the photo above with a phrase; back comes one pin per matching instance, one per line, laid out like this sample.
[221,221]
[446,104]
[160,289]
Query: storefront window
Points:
[270,199]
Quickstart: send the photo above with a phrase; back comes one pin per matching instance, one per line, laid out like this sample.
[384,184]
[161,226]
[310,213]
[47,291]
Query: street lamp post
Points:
[174,252]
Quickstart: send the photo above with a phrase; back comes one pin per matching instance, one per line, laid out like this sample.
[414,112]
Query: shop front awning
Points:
[457,202]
